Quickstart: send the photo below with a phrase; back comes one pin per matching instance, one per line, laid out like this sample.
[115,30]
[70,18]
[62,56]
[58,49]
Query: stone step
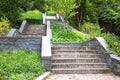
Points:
[31,35]
[75,52]
[34,30]
[86,55]
[80,70]
[81,60]
[73,48]
[79,65]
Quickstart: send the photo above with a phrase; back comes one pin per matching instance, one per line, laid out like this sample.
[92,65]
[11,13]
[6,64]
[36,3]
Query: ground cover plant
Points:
[20,65]
[58,35]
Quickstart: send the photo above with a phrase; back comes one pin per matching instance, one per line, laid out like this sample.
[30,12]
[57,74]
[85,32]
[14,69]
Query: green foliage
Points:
[10,9]
[64,8]
[90,28]
[4,26]
[67,36]
[51,13]
[34,16]
[94,31]
[20,65]
[39,5]
[113,41]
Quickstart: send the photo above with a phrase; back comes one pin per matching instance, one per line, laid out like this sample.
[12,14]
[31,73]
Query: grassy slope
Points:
[66,36]
[20,65]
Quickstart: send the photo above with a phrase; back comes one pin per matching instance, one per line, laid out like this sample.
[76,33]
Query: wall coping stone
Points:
[103,42]
[48,30]
[46,47]
[115,57]
[44,20]
[44,76]
[22,27]
[20,37]
[11,32]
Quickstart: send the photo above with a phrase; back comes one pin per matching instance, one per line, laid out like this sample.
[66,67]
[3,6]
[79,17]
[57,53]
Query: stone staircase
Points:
[77,60]
[34,31]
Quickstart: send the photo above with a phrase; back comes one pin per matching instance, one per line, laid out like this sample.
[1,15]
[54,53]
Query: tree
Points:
[80,16]
[65,8]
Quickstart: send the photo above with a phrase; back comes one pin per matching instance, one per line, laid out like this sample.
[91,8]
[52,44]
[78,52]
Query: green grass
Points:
[67,36]
[20,65]
[34,16]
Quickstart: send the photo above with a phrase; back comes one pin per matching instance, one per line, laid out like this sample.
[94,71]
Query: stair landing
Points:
[34,31]
[107,76]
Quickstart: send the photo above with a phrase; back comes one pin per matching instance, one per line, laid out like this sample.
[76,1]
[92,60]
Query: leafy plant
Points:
[67,36]
[20,65]
[51,13]
[4,26]
[94,31]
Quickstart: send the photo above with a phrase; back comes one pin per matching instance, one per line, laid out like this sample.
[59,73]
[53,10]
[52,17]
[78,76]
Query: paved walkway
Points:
[107,76]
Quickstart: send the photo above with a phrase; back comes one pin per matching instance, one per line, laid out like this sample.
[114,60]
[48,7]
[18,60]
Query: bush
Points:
[34,17]
[113,41]
[20,65]
[91,28]
[4,26]
[51,13]
[94,31]
[67,36]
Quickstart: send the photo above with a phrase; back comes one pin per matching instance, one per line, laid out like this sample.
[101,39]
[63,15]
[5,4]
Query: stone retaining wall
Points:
[20,43]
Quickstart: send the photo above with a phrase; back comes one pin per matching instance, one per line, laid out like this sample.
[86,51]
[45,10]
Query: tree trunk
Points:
[81,12]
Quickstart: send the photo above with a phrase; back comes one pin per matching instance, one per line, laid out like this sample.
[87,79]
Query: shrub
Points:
[51,13]
[91,28]
[4,26]
[34,17]
[94,31]
[20,65]
[113,41]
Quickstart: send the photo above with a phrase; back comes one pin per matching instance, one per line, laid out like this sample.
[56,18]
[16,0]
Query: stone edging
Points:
[46,52]
[44,76]
[22,27]
[11,32]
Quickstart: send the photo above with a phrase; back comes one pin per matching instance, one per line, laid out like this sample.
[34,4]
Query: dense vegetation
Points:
[20,65]
[94,31]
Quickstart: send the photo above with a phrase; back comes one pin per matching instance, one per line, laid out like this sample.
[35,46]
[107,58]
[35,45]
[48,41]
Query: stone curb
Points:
[44,76]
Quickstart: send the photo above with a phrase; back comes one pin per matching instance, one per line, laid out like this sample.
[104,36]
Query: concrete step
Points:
[81,60]
[31,35]
[77,60]
[78,55]
[75,52]
[79,65]
[80,70]
[35,30]
[73,48]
